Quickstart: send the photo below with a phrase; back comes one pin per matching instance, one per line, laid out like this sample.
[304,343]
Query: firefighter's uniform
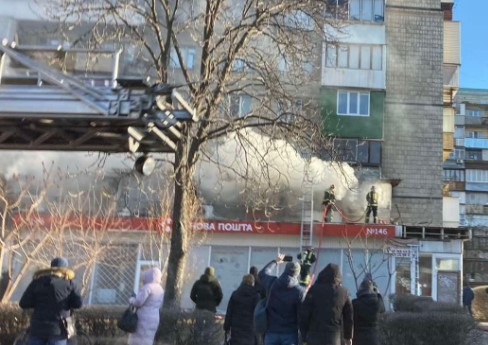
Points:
[328,201]
[372,199]
[307,259]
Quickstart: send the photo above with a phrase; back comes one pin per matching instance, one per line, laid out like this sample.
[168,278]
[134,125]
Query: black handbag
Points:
[128,321]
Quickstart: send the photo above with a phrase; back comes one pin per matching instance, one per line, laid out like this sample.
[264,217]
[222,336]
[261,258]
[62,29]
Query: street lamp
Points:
[145,165]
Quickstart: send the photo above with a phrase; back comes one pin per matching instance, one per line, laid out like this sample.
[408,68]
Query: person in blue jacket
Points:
[285,296]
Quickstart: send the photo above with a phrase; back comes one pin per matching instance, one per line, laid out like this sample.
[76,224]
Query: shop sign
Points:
[399,252]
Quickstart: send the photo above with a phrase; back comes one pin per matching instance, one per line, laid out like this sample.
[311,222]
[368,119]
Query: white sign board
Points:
[399,252]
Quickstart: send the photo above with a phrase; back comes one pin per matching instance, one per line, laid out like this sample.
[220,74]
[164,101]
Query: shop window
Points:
[403,276]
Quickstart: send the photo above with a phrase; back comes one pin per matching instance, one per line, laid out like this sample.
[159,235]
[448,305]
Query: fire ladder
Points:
[43,108]
[307,222]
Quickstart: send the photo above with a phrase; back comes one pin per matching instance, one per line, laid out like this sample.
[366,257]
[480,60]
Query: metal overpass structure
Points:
[43,108]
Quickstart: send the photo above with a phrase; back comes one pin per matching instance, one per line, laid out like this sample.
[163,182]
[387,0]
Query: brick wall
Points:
[413,111]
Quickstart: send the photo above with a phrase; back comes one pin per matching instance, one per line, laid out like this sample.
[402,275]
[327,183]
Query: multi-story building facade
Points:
[382,101]
[466,177]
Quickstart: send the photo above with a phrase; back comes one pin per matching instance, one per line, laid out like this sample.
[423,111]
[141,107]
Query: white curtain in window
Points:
[354,10]
[379,11]
[331,56]
[377,57]
[365,57]
[354,57]
[343,56]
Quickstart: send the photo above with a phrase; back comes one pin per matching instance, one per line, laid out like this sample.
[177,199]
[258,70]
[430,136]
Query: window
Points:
[474,155]
[353,103]
[474,134]
[288,112]
[367,10]
[473,112]
[369,152]
[240,105]
[188,55]
[477,176]
[453,175]
[354,56]
[345,150]
[337,9]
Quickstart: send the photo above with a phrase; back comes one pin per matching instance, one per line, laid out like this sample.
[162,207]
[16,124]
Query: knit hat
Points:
[292,269]
[210,271]
[59,262]
[253,270]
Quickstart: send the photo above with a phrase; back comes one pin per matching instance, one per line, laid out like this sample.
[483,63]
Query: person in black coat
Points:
[206,291]
[239,317]
[257,283]
[52,294]
[327,311]
[368,306]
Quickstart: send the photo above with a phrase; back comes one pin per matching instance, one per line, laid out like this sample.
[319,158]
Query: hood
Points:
[287,280]
[331,274]
[366,287]
[151,275]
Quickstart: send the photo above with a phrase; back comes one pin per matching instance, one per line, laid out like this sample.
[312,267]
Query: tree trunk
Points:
[183,199]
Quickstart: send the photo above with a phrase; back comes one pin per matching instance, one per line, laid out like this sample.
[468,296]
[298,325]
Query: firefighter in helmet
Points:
[372,199]
[307,259]
[328,201]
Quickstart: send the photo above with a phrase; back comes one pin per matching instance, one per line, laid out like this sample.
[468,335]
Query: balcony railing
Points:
[476,143]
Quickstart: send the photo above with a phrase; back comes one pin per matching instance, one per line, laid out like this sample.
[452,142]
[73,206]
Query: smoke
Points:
[35,163]
[257,171]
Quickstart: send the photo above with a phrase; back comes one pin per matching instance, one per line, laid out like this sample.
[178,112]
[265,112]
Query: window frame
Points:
[340,56]
[348,102]
[186,52]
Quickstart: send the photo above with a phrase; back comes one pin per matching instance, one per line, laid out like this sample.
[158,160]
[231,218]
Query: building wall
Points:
[412,152]
[368,127]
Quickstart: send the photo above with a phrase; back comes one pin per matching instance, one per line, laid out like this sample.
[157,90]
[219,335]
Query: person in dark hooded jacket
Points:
[285,296]
[206,292]
[52,294]
[240,310]
[327,312]
[367,309]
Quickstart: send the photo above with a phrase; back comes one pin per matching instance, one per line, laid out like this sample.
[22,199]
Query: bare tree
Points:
[254,61]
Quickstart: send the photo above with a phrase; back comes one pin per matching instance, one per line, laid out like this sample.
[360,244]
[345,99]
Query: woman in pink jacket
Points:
[147,301]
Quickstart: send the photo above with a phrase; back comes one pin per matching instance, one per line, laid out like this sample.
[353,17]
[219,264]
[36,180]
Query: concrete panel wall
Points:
[412,151]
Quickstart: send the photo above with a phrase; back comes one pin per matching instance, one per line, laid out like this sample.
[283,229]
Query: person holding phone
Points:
[285,296]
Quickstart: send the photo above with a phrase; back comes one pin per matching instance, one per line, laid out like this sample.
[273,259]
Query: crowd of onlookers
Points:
[320,314]
[297,311]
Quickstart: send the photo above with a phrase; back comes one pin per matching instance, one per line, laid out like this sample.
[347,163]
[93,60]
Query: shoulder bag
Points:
[129,319]
[261,314]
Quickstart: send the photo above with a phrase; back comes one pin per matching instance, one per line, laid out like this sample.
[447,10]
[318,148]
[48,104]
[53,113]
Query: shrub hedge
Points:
[100,323]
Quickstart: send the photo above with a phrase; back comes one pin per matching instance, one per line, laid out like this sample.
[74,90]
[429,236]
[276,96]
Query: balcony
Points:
[477,209]
[452,43]
[459,120]
[476,143]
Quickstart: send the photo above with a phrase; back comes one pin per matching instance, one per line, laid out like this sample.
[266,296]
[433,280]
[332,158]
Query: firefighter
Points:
[307,259]
[372,199]
[328,202]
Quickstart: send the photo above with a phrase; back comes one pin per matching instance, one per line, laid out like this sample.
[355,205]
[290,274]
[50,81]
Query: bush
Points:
[420,320]
[100,323]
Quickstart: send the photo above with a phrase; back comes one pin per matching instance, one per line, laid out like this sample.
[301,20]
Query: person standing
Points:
[307,259]
[327,202]
[327,311]
[372,199]
[468,297]
[368,307]
[257,284]
[240,310]
[148,301]
[285,296]
[206,291]
[52,294]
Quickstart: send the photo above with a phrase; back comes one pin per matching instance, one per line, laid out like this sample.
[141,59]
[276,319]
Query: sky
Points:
[474,42]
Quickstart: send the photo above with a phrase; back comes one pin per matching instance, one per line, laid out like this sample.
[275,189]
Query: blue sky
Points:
[473,15]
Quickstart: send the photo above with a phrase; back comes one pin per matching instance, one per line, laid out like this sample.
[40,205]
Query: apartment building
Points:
[381,93]
[466,177]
